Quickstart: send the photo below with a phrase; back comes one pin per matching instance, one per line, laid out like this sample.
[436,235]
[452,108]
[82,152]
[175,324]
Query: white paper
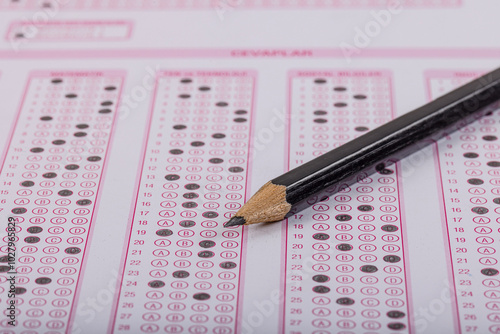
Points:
[144,125]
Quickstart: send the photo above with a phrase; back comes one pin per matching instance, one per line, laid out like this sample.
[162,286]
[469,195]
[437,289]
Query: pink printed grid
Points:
[210,91]
[463,162]
[326,99]
[53,104]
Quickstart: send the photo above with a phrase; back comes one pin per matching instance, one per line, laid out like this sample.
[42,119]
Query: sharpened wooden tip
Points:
[265,206]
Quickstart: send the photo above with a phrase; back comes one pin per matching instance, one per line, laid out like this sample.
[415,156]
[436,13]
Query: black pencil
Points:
[313,181]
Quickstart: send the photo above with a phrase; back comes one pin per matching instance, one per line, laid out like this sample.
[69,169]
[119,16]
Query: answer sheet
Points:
[132,130]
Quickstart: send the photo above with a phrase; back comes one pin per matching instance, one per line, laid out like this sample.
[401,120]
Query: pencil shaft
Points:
[306,184]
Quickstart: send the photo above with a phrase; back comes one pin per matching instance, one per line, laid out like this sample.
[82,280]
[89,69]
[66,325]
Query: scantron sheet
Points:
[132,130]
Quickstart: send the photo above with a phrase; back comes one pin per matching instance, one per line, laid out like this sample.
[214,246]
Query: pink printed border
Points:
[265,53]
[32,75]
[244,235]
[404,233]
[431,74]
[129,25]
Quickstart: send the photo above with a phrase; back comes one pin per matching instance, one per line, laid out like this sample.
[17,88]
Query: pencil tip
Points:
[235,221]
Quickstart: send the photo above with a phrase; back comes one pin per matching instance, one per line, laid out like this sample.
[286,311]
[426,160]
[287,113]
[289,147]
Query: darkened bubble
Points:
[320,120]
[321,236]
[43,280]
[493,163]
[321,278]
[368,269]
[49,175]
[216,160]
[110,88]
[19,34]
[360,97]
[20,291]
[187,223]
[320,112]
[84,202]
[31,240]
[241,112]
[480,210]
[490,138]
[240,120]
[365,208]
[345,301]
[361,128]
[34,229]
[343,217]
[471,155]
[80,134]
[227,265]
[172,177]
[4,269]
[18,211]
[340,104]
[218,135]
[176,151]
[339,89]
[320,81]
[204,88]
[56,81]
[192,186]
[36,150]
[186,80]
[385,171]
[489,272]
[156,284]
[475,181]
[189,205]
[72,250]
[389,228]
[395,314]
[4,259]
[210,214]
[65,192]
[71,167]
[71,96]
[201,296]
[344,247]
[496,200]
[94,158]
[197,143]
[46,118]
[221,104]
[59,142]
[106,103]
[207,244]
[235,169]
[396,326]
[180,274]
[190,195]
[392,258]
[184,96]
[179,127]
[206,254]
[104,111]
[82,126]
[164,232]
[321,289]
[27,183]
